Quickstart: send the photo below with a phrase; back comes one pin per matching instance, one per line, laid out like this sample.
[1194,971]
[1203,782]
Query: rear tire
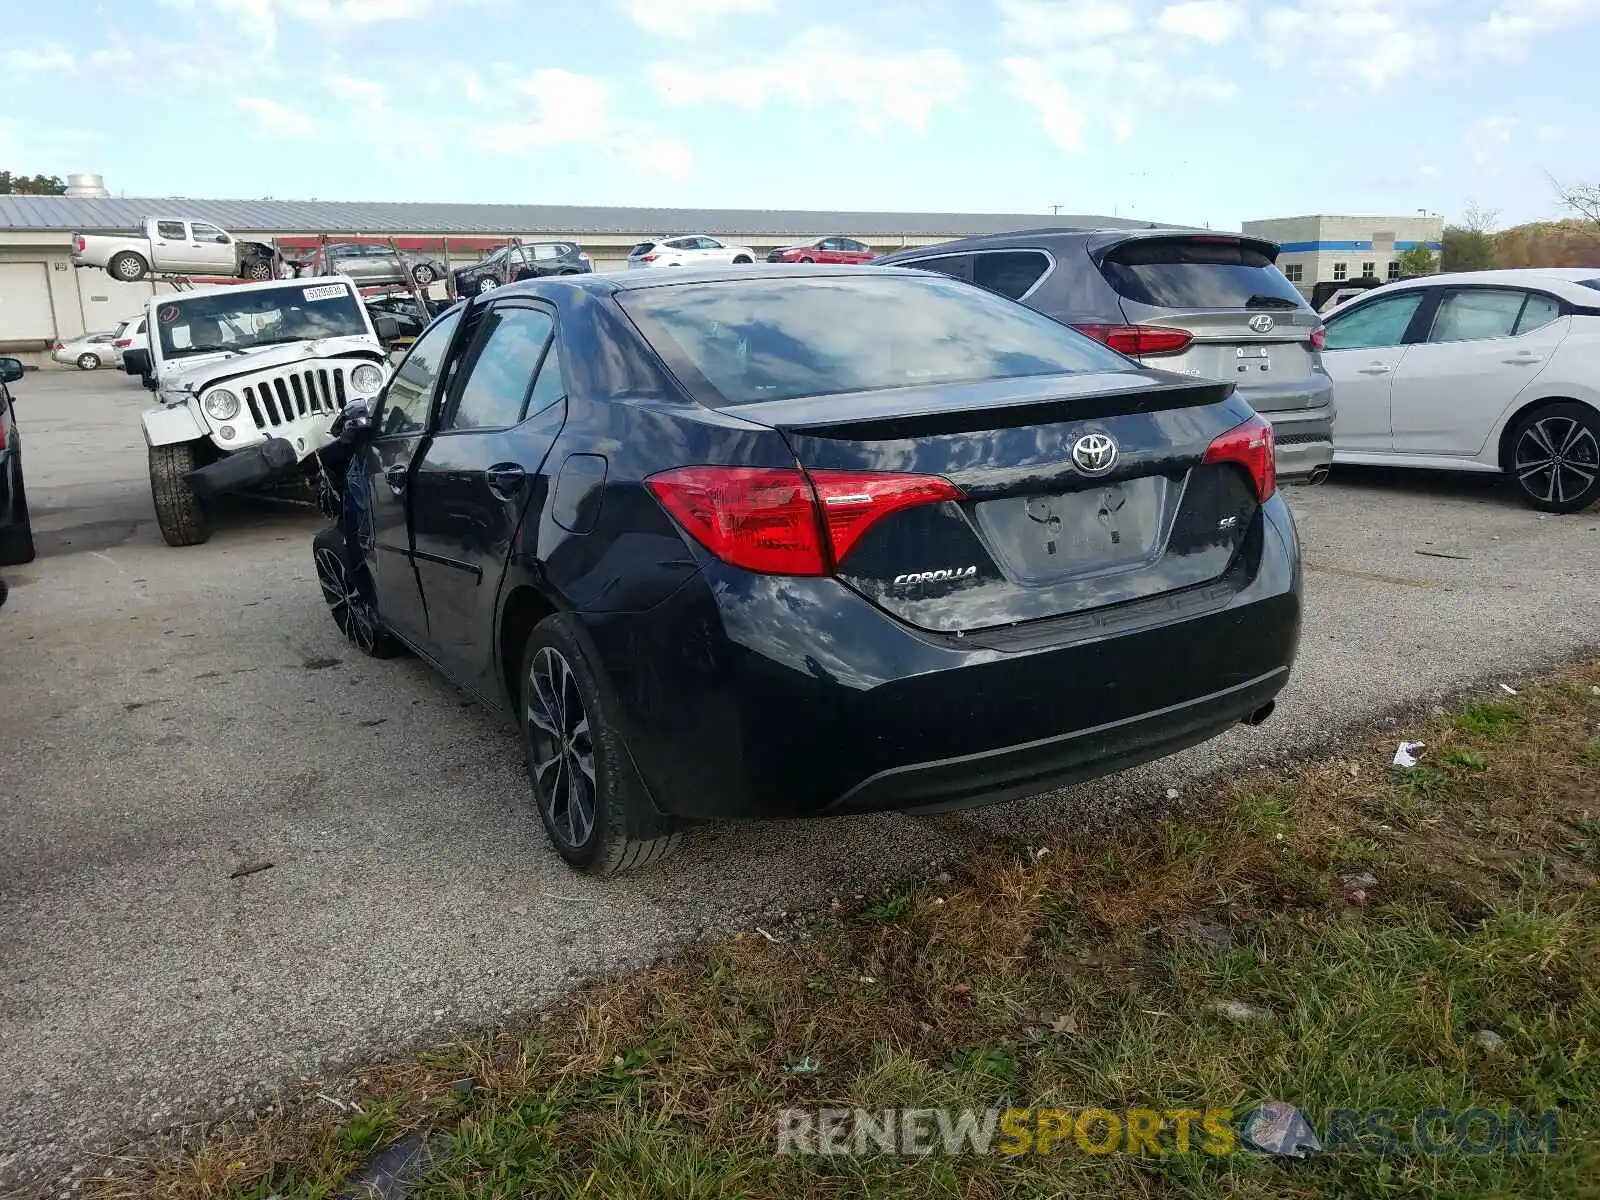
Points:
[88,362]
[807,258]
[16,542]
[258,270]
[590,798]
[348,592]
[423,274]
[743,260]
[1553,457]
[127,266]
[486,284]
[179,511]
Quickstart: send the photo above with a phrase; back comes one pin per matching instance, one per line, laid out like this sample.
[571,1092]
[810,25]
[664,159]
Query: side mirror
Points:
[354,421]
[222,239]
[388,328]
[10,370]
[136,362]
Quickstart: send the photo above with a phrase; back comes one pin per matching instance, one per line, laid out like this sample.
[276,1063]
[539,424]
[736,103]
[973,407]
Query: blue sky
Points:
[1192,110]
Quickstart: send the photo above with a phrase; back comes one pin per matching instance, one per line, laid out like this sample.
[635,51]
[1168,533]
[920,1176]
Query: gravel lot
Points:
[170,715]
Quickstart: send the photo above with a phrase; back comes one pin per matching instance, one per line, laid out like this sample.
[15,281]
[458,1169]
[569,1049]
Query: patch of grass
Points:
[1388,940]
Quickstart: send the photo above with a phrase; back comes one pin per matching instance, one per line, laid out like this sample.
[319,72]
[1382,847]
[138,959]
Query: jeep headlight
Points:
[366,379]
[221,405]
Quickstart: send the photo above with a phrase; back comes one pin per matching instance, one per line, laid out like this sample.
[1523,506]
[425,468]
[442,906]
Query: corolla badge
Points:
[942,576]
[1262,323]
[1094,454]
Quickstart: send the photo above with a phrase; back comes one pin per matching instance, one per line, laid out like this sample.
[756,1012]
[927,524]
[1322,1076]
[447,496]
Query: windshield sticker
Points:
[167,314]
[328,291]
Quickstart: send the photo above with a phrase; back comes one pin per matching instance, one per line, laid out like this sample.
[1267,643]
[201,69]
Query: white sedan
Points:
[1486,371]
[694,250]
[89,352]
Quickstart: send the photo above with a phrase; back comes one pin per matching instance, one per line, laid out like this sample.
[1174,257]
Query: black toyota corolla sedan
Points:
[808,541]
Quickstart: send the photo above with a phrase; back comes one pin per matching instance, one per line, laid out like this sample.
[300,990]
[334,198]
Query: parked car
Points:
[694,250]
[810,540]
[825,250]
[1204,304]
[173,246]
[132,345]
[16,530]
[370,265]
[89,352]
[1481,371]
[530,260]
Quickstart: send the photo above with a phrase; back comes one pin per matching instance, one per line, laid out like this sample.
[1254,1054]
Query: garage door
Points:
[107,301]
[25,314]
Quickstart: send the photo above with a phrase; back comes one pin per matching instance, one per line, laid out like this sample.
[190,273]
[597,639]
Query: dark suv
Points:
[530,260]
[1188,301]
[16,533]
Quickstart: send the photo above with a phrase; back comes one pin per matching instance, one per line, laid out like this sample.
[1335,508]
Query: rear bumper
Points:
[750,696]
[1304,443]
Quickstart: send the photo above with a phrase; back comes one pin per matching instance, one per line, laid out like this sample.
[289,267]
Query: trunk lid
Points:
[1249,324]
[1044,529]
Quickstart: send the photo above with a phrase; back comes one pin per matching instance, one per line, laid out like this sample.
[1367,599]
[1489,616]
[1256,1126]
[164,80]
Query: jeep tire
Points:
[179,511]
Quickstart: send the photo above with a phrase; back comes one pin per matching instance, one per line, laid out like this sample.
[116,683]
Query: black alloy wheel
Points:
[562,759]
[1555,458]
[350,602]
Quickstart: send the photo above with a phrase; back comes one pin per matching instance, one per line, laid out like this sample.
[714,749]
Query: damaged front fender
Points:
[170,426]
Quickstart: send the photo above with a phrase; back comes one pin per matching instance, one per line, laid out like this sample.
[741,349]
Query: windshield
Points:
[754,340]
[1197,273]
[227,320]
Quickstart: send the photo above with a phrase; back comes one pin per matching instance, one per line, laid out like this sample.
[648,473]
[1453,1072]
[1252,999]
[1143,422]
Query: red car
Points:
[825,250]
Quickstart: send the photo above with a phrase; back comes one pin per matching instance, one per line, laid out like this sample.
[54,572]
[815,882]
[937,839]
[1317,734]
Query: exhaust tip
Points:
[1318,475]
[1260,714]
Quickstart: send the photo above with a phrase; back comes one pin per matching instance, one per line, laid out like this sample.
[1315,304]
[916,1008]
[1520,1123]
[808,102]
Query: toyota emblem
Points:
[1094,454]
[1262,323]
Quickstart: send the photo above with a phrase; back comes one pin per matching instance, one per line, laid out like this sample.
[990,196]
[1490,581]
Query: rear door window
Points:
[957,266]
[1538,312]
[1473,314]
[1197,273]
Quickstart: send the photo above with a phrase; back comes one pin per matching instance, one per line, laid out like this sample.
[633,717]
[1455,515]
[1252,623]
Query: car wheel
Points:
[423,274]
[127,266]
[742,259]
[16,542]
[258,270]
[589,795]
[348,592]
[807,258]
[88,362]
[486,285]
[179,511]
[1555,457]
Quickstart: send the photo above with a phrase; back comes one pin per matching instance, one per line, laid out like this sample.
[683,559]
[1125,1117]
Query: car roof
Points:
[1533,277]
[607,283]
[1093,239]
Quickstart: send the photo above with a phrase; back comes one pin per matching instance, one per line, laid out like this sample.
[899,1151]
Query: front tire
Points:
[423,274]
[589,796]
[88,362]
[347,590]
[258,270]
[127,266]
[487,284]
[742,260]
[179,510]
[1554,457]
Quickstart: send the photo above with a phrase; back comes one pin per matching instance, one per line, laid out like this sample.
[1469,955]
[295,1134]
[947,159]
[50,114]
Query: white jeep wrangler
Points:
[250,377]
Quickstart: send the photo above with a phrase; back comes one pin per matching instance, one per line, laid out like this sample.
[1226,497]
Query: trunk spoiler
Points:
[921,412]
[1103,248]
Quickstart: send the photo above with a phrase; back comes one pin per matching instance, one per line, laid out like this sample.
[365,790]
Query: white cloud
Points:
[1509,28]
[689,18]
[1209,21]
[1486,138]
[884,89]
[335,15]
[274,118]
[47,60]
[1551,133]
[1038,22]
[252,19]
[1060,112]
[1376,42]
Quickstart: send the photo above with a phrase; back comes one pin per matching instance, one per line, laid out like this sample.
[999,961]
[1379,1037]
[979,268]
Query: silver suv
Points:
[1190,301]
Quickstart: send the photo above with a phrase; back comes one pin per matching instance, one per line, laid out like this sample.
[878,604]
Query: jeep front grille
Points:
[314,391]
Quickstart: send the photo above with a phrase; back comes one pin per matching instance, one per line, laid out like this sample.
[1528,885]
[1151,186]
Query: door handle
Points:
[1376,368]
[395,476]
[505,479]
[1527,356]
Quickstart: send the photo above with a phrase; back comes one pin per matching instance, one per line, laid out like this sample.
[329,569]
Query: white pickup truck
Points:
[171,246]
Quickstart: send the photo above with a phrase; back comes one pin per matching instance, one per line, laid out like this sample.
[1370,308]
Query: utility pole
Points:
[1055,210]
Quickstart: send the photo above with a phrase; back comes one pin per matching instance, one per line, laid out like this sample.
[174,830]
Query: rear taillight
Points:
[121,343]
[60,346]
[1250,445]
[649,257]
[79,244]
[1319,337]
[1139,341]
[785,521]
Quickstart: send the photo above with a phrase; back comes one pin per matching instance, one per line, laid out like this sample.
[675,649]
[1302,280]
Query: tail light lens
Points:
[785,521]
[1140,341]
[649,257]
[1249,445]
[79,243]
[1319,337]
[60,346]
[121,343]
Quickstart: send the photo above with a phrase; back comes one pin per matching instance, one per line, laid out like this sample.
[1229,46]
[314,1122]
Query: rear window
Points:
[752,340]
[1590,283]
[641,248]
[1184,273]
